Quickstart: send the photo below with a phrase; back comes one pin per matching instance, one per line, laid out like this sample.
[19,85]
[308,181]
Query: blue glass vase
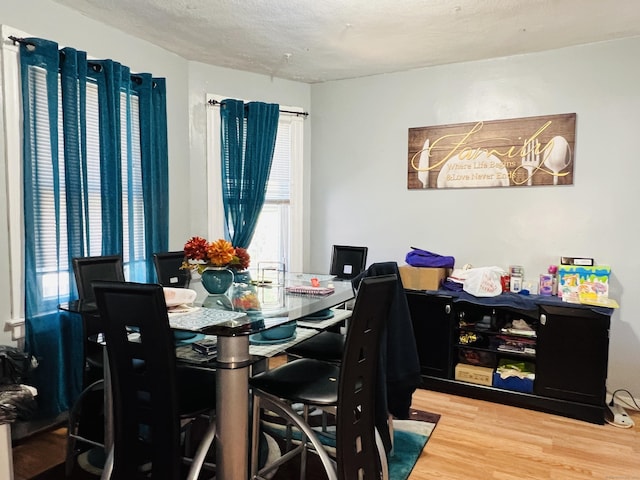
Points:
[217,280]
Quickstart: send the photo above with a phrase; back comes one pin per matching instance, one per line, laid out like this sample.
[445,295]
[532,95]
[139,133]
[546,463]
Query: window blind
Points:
[279,184]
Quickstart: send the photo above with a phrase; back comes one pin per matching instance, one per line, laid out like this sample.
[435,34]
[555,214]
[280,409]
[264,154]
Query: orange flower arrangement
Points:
[200,254]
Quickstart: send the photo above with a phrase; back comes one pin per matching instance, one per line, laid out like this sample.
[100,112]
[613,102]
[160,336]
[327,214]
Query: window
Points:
[278,235]
[51,217]
[53,279]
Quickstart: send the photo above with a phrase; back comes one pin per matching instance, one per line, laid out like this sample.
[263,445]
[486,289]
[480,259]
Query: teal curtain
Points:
[58,194]
[54,338]
[155,163]
[248,139]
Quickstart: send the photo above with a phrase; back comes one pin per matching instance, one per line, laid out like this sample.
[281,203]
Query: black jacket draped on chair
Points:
[399,368]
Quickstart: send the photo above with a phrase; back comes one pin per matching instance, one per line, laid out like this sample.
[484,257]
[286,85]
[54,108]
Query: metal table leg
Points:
[108,417]
[232,405]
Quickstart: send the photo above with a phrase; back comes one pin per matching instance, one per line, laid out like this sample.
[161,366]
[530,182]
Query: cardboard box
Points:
[574,280]
[422,278]
[474,374]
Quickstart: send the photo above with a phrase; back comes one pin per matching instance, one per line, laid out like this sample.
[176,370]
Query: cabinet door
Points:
[431,317]
[573,350]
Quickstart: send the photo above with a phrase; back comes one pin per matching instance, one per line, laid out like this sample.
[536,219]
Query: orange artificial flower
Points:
[220,253]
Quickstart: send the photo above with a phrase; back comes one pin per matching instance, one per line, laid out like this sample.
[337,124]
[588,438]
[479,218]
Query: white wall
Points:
[359,191]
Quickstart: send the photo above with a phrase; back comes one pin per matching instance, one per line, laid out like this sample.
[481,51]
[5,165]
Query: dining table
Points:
[214,316]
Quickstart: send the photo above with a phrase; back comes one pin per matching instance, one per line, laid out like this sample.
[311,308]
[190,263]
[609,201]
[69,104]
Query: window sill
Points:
[17,328]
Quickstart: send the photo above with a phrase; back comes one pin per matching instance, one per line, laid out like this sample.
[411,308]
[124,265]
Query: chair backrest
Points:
[145,402]
[168,269]
[357,455]
[88,269]
[348,261]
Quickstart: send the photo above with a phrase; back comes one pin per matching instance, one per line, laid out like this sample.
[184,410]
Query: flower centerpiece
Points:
[215,261]
[200,255]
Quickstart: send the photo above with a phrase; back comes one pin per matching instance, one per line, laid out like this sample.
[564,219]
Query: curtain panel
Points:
[248,139]
[62,191]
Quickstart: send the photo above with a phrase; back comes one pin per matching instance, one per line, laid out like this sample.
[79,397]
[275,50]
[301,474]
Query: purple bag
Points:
[421,258]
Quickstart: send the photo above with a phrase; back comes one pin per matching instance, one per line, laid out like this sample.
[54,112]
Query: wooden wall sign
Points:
[520,152]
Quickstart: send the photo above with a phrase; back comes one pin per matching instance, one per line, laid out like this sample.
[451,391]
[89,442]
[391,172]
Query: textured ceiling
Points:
[320,40]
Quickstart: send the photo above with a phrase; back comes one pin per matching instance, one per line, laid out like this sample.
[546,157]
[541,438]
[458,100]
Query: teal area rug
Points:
[409,436]
[409,439]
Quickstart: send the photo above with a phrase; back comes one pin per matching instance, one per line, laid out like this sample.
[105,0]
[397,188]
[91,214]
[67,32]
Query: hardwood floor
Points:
[474,440]
[35,455]
[477,440]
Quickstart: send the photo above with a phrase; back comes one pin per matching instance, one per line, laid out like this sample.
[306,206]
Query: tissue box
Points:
[422,278]
[574,281]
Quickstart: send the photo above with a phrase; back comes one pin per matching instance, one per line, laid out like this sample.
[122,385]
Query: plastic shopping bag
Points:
[483,281]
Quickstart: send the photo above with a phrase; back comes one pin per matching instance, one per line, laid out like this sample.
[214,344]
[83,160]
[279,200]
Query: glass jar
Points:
[244,295]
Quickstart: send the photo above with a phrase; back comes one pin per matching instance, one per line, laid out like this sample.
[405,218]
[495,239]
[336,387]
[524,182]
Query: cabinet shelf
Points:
[570,342]
[508,353]
[494,333]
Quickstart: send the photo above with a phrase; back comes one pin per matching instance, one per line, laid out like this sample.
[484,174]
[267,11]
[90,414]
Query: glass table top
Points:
[215,315]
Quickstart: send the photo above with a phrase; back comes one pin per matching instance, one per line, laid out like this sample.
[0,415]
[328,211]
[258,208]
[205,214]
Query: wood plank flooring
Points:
[39,453]
[478,440]
[474,440]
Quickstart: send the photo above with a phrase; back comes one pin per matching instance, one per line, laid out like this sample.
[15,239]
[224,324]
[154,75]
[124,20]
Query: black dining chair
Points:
[347,391]
[347,262]
[85,418]
[168,269]
[400,372]
[152,396]
[86,270]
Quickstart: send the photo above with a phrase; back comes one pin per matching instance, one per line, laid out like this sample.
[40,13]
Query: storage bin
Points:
[477,357]
[514,383]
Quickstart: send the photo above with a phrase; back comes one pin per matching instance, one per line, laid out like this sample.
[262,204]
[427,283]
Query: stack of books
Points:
[310,290]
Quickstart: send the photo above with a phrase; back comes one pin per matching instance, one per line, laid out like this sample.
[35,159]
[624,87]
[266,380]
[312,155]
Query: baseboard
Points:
[25,429]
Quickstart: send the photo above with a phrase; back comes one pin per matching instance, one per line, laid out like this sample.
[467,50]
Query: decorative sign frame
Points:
[518,152]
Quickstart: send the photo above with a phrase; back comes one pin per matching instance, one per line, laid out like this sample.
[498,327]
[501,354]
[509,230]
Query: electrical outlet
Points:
[618,416]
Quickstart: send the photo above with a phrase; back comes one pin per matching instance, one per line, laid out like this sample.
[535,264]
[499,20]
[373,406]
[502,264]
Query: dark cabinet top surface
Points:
[550,304]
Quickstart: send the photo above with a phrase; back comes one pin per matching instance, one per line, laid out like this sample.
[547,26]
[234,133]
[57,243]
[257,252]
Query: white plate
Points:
[181,309]
[179,296]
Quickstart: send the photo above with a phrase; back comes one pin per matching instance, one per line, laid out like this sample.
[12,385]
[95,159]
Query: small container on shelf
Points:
[514,384]
[505,281]
[479,358]
[474,374]
[553,271]
[514,375]
[546,284]
[516,274]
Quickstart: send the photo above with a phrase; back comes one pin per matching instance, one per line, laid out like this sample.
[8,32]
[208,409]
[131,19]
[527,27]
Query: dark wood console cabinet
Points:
[570,350]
